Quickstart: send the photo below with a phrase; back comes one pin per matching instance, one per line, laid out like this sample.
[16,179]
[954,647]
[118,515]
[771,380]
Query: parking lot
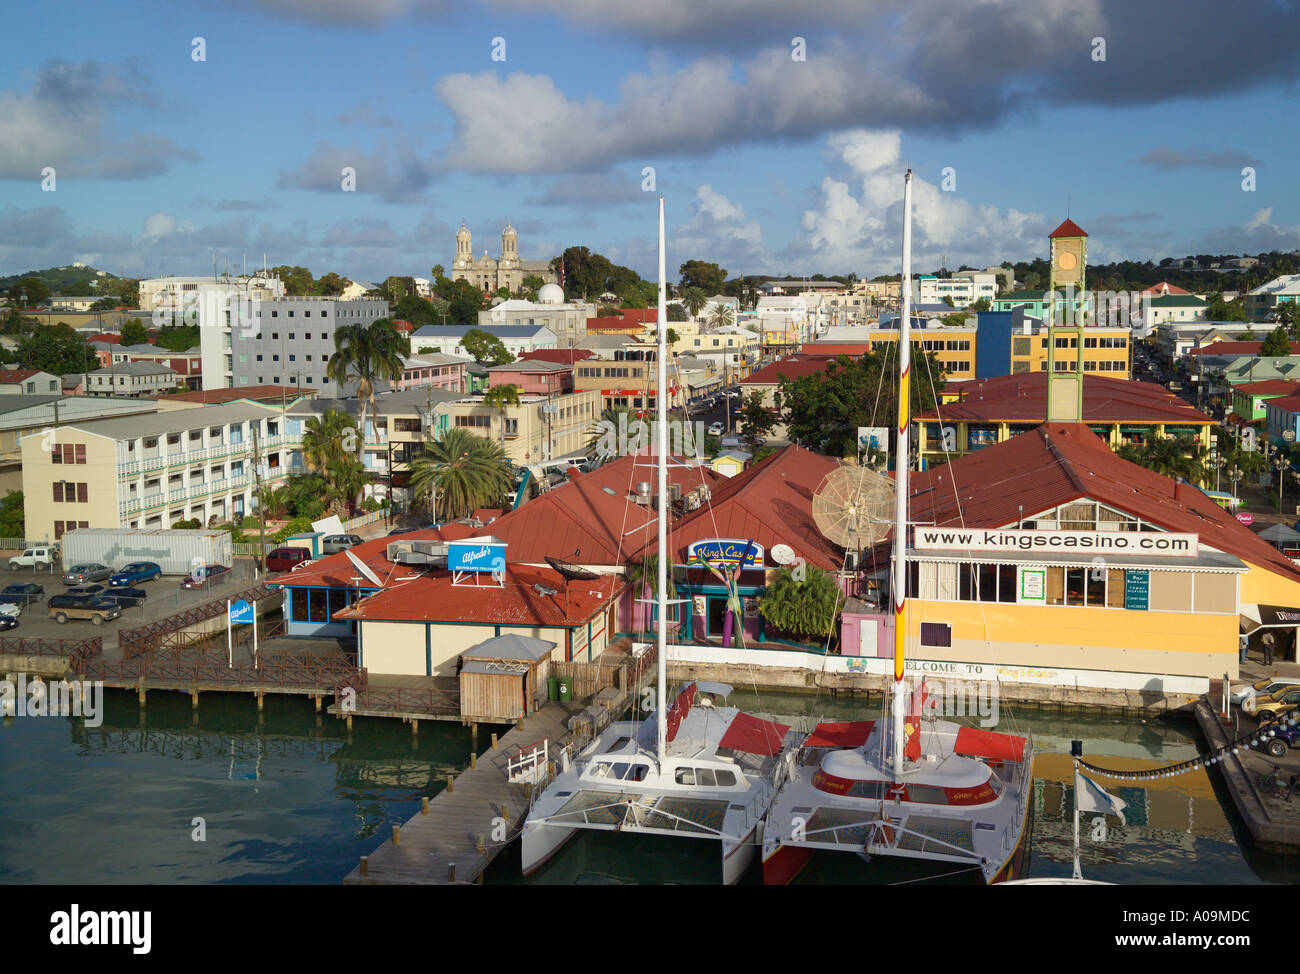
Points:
[165,598]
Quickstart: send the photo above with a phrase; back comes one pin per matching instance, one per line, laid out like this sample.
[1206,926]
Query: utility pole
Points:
[257,493]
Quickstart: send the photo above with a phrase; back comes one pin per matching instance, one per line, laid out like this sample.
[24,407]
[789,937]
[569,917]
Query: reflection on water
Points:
[290,797]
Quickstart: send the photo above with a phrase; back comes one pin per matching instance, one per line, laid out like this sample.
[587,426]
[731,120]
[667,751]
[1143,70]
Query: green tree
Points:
[1278,343]
[485,348]
[331,285]
[1181,457]
[369,354]
[755,419]
[396,288]
[709,278]
[298,281]
[56,349]
[1288,316]
[458,473]
[693,300]
[274,500]
[824,410]
[414,309]
[677,313]
[619,428]
[722,317]
[128,291]
[1221,310]
[177,338]
[12,322]
[982,304]
[502,397]
[133,333]
[464,302]
[106,304]
[806,609]
[12,522]
[529,286]
[28,292]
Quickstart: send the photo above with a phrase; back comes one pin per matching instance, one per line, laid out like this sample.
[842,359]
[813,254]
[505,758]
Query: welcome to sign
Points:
[726,552]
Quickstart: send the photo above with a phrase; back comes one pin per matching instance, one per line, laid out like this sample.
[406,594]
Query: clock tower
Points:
[1068,244]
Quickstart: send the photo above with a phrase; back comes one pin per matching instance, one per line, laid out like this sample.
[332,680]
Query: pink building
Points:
[434,369]
[533,376]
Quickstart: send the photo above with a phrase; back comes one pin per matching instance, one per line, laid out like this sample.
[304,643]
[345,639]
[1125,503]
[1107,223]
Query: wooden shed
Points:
[504,678]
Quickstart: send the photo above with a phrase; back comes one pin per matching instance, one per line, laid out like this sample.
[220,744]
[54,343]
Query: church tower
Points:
[1068,245]
[464,248]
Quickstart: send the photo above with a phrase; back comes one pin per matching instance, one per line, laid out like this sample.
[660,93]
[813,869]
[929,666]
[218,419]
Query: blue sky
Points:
[769,164]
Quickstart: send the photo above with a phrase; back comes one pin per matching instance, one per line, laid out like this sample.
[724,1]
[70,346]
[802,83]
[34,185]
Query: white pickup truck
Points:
[40,555]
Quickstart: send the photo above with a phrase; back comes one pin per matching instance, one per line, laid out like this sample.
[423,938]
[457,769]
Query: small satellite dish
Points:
[363,568]
[782,554]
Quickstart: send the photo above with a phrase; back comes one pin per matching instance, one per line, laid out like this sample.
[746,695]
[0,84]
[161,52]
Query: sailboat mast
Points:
[901,454]
[661,471]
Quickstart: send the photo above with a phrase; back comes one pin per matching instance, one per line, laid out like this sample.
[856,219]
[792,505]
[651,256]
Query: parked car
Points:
[1285,738]
[135,573]
[332,544]
[715,429]
[36,556]
[22,593]
[87,590]
[123,595]
[286,559]
[92,572]
[1278,703]
[92,607]
[1263,688]
[390,534]
[8,622]
[203,577]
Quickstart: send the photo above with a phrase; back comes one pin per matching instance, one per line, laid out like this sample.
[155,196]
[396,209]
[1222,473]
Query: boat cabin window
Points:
[867,789]
[704,776]
[707,777]
[620,770]
[685,776]
[726,779]
[927,794]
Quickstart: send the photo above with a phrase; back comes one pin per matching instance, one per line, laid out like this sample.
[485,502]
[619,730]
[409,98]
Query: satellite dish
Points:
[541,589]
[782,554]
[363,568]
[854,506]
[569,570]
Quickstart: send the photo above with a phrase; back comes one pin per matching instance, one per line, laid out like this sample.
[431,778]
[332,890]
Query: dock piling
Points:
[424,805]
[365,862]
[397,835]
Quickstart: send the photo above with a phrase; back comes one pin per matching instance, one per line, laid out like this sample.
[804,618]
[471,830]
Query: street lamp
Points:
[1218,462]
[1283,463]
[1234,475]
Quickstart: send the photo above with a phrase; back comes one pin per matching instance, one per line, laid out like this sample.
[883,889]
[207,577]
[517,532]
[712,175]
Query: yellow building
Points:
[1047,559]
[984,412]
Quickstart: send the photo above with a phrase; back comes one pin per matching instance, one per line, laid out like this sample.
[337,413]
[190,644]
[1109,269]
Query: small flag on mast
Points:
[1091,797]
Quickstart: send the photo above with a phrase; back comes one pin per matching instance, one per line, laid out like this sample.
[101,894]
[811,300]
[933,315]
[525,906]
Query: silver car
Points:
[92,572]
[334,543]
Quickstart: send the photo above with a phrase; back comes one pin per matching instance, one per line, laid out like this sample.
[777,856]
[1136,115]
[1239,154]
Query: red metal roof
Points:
[1068,229]
[1290,404]
[791,367]
[591,520]
[1164,287]
[519,601]
[1023,398]
[337,571]
[564,356]
[770,503]
[105,336]
[1270,387]
[16,375]
[1061,462]
[1232,348]
[209,396]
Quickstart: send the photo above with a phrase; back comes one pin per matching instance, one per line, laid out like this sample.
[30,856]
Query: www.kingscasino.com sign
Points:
[1092,542]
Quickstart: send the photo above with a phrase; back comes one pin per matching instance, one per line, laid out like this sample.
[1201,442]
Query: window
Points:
[937,635]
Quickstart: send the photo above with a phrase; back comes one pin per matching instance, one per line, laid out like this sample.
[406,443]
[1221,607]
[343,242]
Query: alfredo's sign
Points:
[475,555]
[1068,542]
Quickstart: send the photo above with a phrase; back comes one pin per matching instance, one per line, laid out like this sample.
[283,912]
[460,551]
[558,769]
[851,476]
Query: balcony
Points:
[180,495]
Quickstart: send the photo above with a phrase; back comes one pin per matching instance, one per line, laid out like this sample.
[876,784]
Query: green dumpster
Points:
[552,688]
[565,694]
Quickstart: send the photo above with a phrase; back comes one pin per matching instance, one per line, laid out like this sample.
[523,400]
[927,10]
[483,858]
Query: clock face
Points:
[1067,261]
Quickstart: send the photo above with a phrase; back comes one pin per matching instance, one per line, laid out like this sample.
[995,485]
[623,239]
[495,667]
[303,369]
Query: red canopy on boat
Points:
[845,733]
[681,707]
[754,735]
[986,744]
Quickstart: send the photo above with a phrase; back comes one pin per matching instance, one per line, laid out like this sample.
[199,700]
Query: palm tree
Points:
[273,499]
[369,353]
[458,473]
[622,422]
[326,438]
[502,397]
[693,299]
[348,478]
[722,317]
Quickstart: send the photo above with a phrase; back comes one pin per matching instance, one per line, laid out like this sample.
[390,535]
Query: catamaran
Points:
[954,799]
[695,770]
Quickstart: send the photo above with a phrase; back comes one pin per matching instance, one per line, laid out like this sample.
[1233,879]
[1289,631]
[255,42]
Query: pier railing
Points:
[212,669]
[403,700]
[163,632]
[75,649]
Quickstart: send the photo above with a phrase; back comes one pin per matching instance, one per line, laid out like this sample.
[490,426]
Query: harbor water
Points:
[223,795]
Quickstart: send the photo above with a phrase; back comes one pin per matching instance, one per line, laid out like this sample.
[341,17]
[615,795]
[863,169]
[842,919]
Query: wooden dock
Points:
[466,825]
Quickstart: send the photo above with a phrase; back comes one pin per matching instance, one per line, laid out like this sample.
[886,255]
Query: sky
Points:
[777,132]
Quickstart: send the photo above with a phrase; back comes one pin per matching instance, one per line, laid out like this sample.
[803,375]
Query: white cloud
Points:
[858,223]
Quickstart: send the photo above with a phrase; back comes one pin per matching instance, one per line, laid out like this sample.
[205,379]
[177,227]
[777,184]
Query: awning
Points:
[848,733]
[1268,617]
[754,735]
[987,744]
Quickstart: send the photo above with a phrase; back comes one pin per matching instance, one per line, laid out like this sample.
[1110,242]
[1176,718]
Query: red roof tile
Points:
[791,367]
[770,503]
[1164,287]
[1068,229]
[1060,462]
[16,375]
[1290,404]
[1231,348]
[1023,398]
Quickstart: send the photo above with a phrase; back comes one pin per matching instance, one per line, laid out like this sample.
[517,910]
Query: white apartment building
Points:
[964,288]
[733,351]
[1261,303]
[568,321]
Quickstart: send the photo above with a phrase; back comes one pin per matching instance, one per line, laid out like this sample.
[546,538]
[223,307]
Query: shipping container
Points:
[176,552]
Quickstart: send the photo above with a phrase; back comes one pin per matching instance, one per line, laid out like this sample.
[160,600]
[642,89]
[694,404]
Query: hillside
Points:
[65,280]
